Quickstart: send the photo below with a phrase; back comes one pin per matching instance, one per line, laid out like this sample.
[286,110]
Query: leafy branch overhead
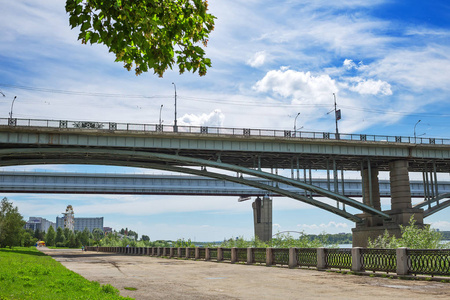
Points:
[147,34]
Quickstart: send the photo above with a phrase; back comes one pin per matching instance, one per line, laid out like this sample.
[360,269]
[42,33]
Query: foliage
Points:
[145,238]
[412,236]
[60,238]
[27,239]
[11,224]
[98,235]
[29,274]
[146,33]
[39,235]
[50,237]
[281,241]
[181,243]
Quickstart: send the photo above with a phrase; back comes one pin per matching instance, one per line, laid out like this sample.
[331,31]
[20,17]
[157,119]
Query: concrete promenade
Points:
[160,278]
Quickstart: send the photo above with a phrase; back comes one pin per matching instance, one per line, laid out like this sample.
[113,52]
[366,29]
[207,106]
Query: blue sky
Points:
[388,62]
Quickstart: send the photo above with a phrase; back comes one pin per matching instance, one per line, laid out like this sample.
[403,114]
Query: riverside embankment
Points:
[161,278]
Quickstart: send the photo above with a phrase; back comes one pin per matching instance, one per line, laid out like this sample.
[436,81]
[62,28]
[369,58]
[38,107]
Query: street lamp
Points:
[175,128]
[160,122]
[12,105]
[295,123]
[415,130]
[337,116]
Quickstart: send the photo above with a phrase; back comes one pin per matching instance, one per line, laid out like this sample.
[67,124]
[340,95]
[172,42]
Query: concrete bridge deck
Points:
[160,278]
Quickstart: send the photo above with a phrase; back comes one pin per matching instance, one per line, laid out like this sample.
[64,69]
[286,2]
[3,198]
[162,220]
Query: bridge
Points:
[144,184]
[236,155]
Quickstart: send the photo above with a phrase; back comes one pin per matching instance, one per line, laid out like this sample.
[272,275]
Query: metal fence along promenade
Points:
[207,130]
[401,261]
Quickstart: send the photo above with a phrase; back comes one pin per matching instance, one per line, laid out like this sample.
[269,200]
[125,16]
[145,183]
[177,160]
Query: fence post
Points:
[292,258]
[158,251]
[233,255]
[188,250]
[249,256]
[219,254]
[402,261]
[197,253]
[170,252]
[207,255]
[269,257]
[321,259]
[356,259]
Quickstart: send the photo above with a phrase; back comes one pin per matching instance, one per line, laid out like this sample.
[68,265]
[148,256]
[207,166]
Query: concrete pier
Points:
[262,217]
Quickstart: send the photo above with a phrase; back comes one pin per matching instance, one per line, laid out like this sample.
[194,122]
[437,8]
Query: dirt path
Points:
[160,278]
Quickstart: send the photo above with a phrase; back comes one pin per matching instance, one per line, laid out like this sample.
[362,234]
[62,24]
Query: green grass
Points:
[26,273]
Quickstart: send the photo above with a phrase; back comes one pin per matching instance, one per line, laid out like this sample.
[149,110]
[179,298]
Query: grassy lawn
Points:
[26,273]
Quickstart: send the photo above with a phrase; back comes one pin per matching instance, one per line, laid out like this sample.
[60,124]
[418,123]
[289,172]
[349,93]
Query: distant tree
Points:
[148,34]
[11,224]
[85,235]
[50,237]
[70,238]
[72,241]
[133,233]
[40,235]
[145,238]
[60,238]
[98,235]
[27,238]
[67,233]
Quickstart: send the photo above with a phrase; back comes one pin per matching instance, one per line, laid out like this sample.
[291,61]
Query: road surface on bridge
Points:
[161,278]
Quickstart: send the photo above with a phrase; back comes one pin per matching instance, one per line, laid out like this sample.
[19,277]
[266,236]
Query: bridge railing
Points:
[402,261]
[113,126]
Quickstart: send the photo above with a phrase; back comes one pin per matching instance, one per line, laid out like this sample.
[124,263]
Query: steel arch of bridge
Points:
[171,162]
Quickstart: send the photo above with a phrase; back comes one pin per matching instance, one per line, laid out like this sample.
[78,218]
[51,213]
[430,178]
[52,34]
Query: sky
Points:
[387,62]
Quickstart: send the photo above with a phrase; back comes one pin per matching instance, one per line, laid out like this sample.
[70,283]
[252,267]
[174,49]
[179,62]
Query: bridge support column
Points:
[401,207]
[262,217]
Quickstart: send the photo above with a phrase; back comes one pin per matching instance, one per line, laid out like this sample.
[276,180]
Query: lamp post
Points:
[295,123]
[337,116]
[160,109]
[12,105]
[175,127]
[415,130]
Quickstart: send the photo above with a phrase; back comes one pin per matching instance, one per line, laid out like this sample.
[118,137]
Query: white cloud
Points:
[215,118]
[302,86]
[372,87]
[258,59]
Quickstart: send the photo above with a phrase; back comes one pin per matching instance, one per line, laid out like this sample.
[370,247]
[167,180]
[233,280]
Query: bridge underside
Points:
[184,165]
[254,159]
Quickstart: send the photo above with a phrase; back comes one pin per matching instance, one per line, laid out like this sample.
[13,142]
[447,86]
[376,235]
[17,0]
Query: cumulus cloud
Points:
[372,87]
[349,64]
[215,118]
[302,86]
[258,59]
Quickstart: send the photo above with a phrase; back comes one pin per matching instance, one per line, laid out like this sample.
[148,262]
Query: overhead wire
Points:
[220,101]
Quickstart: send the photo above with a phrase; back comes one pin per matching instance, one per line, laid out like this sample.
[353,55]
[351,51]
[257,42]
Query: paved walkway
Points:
[160,278]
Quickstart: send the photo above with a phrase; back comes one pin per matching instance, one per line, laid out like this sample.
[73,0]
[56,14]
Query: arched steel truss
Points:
[434,209]
[177,163]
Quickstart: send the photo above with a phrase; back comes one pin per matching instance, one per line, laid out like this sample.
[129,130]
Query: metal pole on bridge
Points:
[175,127]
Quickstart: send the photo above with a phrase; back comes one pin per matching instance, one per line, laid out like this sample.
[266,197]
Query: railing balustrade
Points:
[112,126]
[412,261]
